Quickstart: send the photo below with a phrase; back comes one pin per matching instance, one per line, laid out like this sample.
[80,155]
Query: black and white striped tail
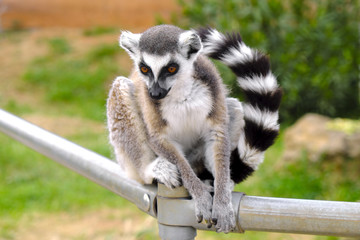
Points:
[263,94]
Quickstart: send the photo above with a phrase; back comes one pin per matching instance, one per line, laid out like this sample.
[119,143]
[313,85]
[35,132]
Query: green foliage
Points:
[102,52]
[16,108]
[79,81]
[313,45]
[59,46]
[99,30]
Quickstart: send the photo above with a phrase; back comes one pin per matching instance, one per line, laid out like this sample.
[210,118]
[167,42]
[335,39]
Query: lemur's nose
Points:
[156,92]
[157,96]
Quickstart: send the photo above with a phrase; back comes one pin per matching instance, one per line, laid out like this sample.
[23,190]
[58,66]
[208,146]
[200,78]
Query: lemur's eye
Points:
[144,69]
[172,69]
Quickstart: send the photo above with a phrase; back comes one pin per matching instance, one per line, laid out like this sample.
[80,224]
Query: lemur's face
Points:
[161,55]
[159,73]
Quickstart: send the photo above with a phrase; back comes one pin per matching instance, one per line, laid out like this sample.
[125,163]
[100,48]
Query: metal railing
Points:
[174,209]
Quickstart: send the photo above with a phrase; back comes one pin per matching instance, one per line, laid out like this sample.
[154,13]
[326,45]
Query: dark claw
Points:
[209,225]
[214,221]
[199,218]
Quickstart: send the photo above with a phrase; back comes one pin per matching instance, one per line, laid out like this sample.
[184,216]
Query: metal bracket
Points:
[176,208]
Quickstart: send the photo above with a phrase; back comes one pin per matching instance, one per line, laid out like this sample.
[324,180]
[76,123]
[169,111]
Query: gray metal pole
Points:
[274,215]
[83,161]
[316,217]
[176,211]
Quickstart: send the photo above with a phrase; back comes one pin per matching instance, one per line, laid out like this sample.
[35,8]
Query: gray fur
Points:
[206,72]
[160,39]
[124,122]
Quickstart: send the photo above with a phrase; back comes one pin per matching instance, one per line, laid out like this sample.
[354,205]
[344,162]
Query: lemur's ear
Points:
[130,42]
[190,44]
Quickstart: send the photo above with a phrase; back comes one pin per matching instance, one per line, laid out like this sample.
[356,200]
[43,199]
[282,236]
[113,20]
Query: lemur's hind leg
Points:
[239,169]
[236,121]
[128,137]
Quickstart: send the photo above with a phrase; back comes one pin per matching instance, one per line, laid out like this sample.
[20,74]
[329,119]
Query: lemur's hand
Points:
[203,204]
[223,216]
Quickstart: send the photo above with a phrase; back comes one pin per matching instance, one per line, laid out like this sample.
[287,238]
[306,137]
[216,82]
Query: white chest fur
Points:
[186,109]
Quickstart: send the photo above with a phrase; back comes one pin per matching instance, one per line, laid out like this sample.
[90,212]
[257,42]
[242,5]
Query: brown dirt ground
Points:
[134,14]
[92,225]
[109,224]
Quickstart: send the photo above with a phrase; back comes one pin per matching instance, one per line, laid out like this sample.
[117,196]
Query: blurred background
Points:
[58,59]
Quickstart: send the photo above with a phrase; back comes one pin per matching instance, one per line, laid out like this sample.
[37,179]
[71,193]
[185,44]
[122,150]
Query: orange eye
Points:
[144,69]
[172,69]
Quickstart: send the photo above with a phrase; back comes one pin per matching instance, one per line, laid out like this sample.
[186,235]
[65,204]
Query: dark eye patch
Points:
[170,69]
[145,69]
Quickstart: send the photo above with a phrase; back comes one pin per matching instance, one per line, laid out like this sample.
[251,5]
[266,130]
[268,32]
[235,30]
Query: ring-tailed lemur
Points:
[172,121]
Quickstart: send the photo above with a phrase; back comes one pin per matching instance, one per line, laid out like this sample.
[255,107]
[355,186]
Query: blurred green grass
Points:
[76,85]
[80,81]
[29,183]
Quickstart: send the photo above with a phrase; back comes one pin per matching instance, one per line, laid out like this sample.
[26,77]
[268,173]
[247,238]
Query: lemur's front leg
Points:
[199,191]
[218,159]
[127,134]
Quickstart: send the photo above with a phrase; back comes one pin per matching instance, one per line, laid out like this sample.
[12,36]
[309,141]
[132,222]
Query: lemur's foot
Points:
[165,172]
